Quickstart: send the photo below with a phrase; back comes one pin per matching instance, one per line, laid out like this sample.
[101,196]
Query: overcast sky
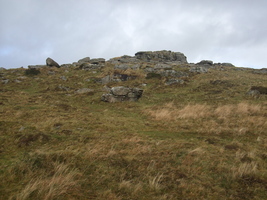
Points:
[232,31]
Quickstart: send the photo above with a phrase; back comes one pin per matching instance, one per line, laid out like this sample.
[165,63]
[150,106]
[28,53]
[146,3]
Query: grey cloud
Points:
[232,31]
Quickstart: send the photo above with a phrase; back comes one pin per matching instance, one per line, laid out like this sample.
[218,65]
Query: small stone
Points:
[63,78]
[5,81]
[84,91]
[175,81]
[51,73]
[21,129]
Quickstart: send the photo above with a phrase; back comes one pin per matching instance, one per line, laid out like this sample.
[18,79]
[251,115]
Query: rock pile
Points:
[121,93]
[90,64]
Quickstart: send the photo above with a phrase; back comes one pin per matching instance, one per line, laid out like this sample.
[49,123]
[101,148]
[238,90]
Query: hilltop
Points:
[149,126]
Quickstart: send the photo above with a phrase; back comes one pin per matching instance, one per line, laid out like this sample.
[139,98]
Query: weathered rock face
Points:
[127,66]
[161,56]
[226,64]
[84,60]
[124,59]
[205,62]
[51,63]
[199,69]
[97,61]
[116,77]
[89,66]
[121,93]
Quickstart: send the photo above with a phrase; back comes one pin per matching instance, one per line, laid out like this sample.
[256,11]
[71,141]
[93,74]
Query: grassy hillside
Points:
[204,139]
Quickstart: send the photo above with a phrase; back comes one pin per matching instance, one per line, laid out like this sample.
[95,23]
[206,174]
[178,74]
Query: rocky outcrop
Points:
[124,59]
[161,56]
[226,64]
[84,60]
[51,63]
[121,93]
[89,66]
[199,69]
[97,61]
[260,71]
[205,62]
[126,66]
[116,77]
[165,70]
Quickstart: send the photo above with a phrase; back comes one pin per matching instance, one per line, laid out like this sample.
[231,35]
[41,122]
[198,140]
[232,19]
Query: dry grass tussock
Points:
[170,112]
[46,179]
[233,118]
[58,185]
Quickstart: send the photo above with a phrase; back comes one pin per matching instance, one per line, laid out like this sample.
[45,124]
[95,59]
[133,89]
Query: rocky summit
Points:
[170,68]
[161,56]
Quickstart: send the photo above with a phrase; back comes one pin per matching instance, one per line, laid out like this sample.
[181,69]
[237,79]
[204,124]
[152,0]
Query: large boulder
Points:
[205,62]
[121,93]
[84,91]
[51,63]
[84,60]
[161,56]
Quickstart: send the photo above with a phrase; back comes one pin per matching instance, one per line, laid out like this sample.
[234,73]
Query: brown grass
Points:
[199,141]
[237,119]
[59,184]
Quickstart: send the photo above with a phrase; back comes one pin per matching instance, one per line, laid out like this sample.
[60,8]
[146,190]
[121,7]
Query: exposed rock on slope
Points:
[120,93]
[51,63]
[161,56]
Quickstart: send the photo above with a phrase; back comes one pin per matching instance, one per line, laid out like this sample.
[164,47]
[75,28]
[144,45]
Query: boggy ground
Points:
[205,139]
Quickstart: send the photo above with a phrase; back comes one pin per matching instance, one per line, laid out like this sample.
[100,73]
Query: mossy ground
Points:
[202,140]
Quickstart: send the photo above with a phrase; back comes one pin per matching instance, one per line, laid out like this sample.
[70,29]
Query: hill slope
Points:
[194,134]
